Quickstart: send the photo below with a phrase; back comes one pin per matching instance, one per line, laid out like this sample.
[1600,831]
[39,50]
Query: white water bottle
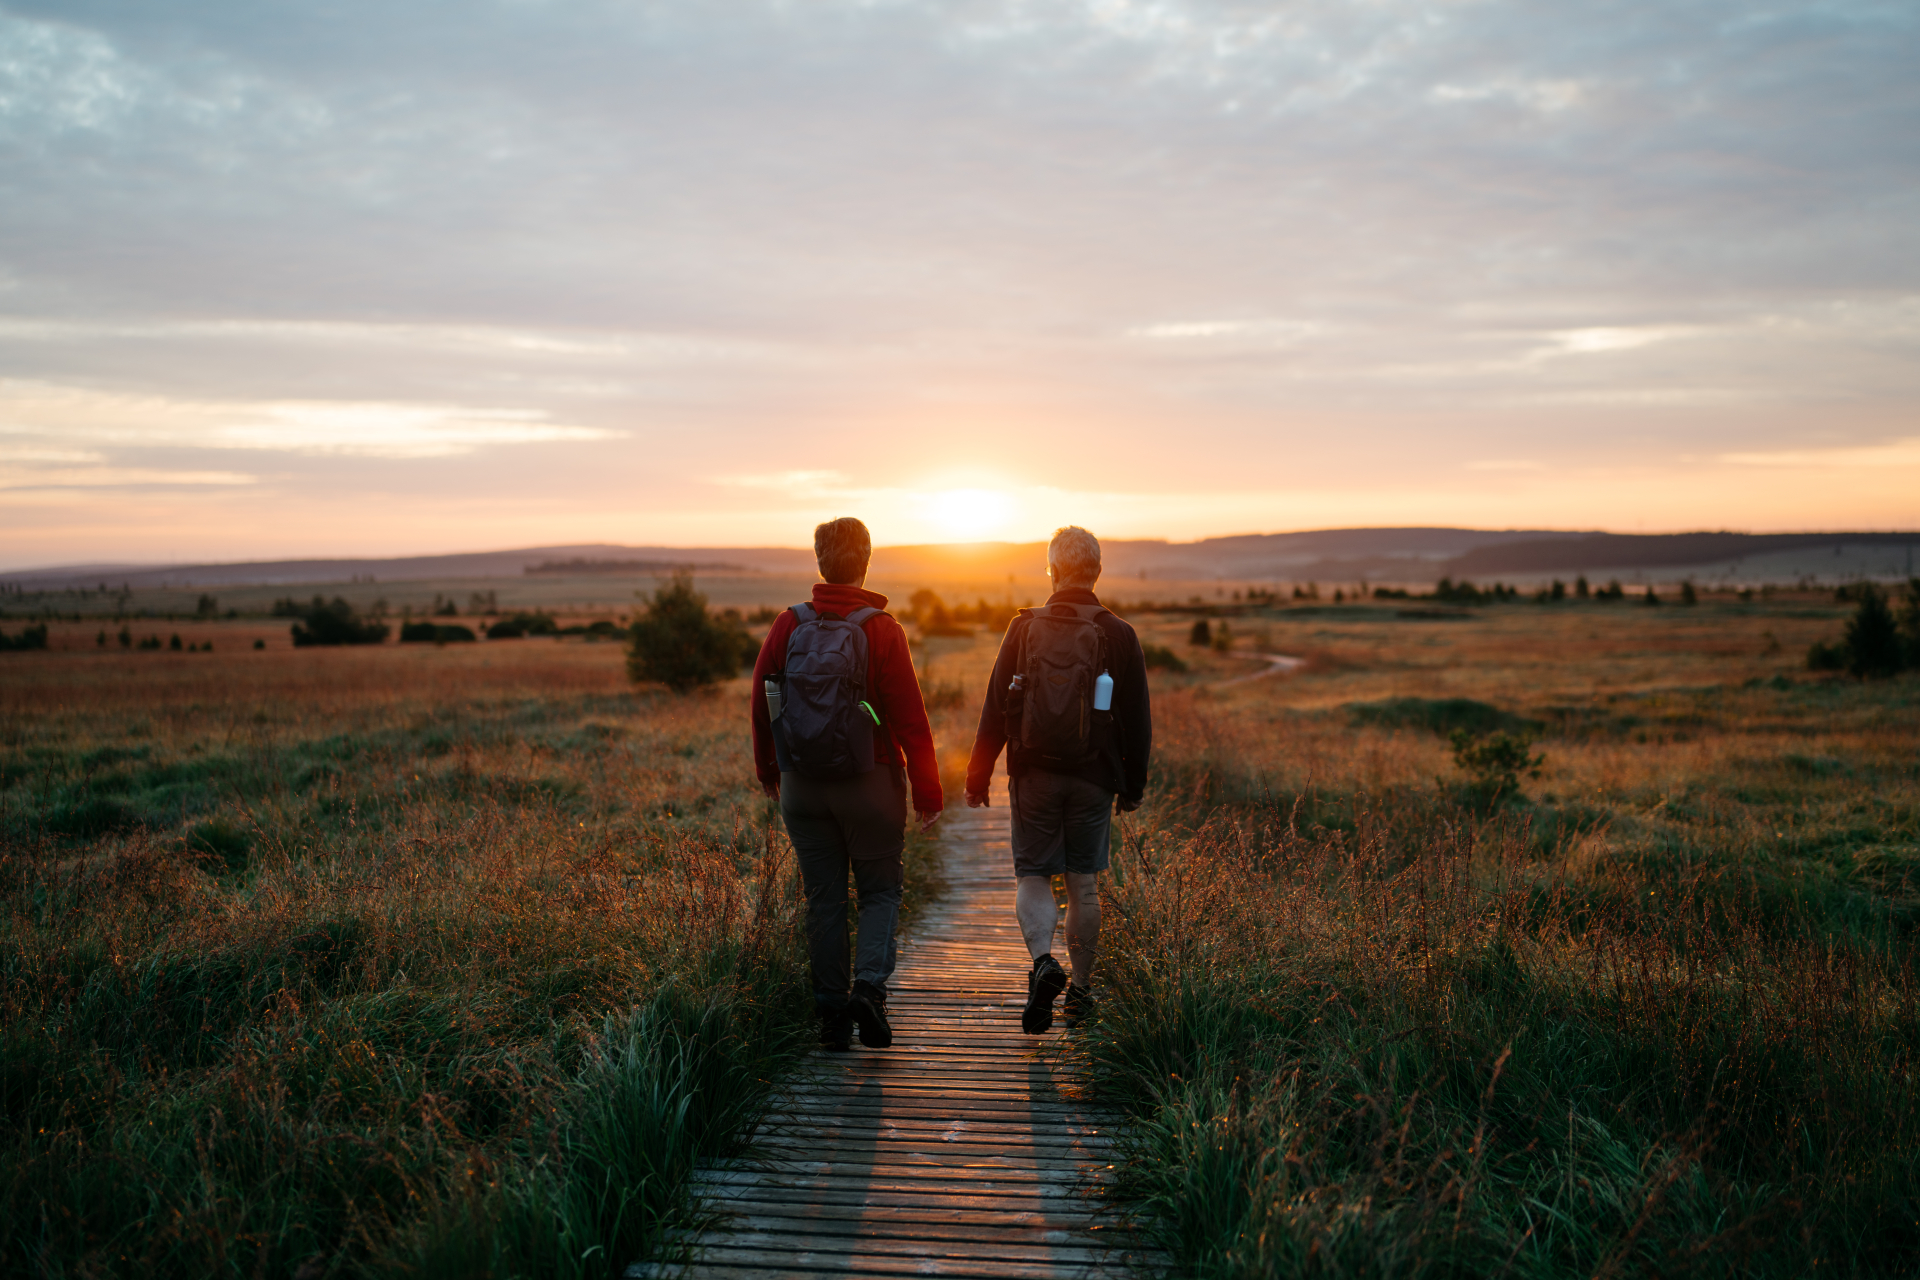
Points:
[1103,692]
[773,700]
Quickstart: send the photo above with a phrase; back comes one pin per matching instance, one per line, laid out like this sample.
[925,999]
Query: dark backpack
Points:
[1064,649]
[825,726]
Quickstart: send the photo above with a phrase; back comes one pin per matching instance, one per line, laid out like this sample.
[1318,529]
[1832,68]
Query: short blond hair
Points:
[1074,557]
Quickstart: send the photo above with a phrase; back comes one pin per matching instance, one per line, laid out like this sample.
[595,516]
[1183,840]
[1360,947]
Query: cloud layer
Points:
[600,259]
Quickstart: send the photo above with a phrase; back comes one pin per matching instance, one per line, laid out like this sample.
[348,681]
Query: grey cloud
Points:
[867,196]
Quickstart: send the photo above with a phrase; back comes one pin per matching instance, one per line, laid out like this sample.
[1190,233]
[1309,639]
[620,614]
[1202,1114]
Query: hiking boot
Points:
[836,1024]
[1043,984]
[868,1008]
[1079,1004]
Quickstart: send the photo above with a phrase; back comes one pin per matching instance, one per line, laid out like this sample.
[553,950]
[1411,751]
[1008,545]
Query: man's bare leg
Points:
[1083,925]
[1034,907]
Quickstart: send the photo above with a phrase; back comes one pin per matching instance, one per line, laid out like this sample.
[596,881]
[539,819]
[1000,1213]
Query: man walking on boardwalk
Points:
[835,705]
[1068,699]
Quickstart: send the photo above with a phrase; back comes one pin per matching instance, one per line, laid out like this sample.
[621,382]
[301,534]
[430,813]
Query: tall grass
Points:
[1658,1019]
[445,965]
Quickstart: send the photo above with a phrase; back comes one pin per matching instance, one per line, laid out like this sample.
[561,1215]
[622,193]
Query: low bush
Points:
[1161,658]
[29,638]
[678,643]
[1439,716]
[435,633]
[334,623]
[1201,636]
[604,629]
[524,624]
[1493,763]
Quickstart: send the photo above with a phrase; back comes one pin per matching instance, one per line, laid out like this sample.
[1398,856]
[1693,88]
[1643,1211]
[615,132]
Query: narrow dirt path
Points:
[1277,663]
[964,1150]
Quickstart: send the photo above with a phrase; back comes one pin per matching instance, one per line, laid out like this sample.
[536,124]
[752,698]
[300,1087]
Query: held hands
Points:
[926,819]
[1123,805]
[772,789]
[977,800]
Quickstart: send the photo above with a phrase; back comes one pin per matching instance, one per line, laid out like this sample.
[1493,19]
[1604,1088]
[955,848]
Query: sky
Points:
[281,277]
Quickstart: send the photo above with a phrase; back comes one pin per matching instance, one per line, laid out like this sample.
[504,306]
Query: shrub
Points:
[1650,599]
[1222,638]
[933,617]
[174,643]
[1688,595]
[334,623]
[1872,645]
[1439,716]
[1494,763]
[1161,658]
[1202,634]
[604,629]
[206,607]
[679,644]
[524,624]
[29,638]
[435,633]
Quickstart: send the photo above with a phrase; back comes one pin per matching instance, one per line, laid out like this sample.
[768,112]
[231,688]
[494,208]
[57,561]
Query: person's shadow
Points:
[835,1198]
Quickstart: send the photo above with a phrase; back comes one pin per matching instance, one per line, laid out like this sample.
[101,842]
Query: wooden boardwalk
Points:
[960,1151]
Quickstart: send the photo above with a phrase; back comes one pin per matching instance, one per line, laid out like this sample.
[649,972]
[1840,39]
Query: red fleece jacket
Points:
[892,687]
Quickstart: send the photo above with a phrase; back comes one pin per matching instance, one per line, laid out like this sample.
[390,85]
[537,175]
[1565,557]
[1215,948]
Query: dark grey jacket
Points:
[1122,742]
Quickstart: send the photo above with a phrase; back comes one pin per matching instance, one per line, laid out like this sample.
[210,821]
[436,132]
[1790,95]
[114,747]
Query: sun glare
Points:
[967,514]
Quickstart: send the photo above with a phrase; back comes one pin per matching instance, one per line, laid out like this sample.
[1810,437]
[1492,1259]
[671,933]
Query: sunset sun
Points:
[968,514]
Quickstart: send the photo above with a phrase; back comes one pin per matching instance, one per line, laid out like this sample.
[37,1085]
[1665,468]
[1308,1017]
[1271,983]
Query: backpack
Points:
[1063,651]
[825,726]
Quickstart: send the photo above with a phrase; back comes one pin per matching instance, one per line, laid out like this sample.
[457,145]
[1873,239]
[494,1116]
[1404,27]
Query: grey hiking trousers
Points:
[860,824]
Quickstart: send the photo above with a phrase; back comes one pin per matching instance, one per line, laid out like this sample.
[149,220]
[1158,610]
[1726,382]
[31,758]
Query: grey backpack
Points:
[825,726]
[1064,650]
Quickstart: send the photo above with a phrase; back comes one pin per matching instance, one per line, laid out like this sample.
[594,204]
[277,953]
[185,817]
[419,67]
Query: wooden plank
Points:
[966,1149]
[721,1260]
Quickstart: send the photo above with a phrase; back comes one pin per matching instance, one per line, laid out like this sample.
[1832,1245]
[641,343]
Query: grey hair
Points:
[1074,557]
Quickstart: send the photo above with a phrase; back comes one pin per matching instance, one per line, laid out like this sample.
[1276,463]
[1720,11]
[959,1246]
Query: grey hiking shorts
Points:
[1060,824]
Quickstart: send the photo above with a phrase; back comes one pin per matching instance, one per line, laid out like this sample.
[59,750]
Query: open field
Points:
[1656,1017]
[373,961]
[378,960]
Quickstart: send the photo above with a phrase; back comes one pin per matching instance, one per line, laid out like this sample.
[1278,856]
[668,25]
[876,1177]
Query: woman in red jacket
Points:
[858,821]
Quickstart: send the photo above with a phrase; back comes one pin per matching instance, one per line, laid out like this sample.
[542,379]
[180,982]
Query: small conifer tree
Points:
[1873,644]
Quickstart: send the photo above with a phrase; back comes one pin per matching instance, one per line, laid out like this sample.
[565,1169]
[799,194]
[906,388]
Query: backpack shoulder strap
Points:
[805,612]
[859,616]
